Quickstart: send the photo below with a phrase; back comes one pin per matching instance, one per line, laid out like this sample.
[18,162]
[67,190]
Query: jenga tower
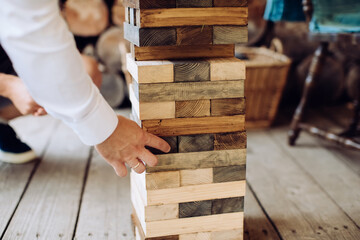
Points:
[188,88]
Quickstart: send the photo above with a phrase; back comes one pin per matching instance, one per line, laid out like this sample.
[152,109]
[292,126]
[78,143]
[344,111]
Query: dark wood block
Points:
[228,205]
[148,4]
[230,34]
[230,3]
[196,143]
[225,141]
[149,36]
[227,107]
[191,71]
[193,3]
[172,141]
[194,35]
[229,174]
[195,108]
[195,209]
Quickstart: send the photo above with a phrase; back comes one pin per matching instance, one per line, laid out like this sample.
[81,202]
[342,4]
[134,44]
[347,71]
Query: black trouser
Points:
[7,68]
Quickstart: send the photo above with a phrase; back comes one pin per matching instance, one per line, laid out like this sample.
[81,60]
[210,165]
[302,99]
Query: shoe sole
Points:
[17,158]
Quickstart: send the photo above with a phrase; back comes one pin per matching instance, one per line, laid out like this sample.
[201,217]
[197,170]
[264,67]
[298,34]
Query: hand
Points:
[127,145]
[19,95]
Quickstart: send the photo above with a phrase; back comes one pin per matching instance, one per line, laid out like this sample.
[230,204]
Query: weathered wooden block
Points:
[228,205]
[191,71]
[193,3]
[195,209]
[225,141]
[227,107]
[196,143]
[230,3]
[194,35]
[229,173]
[230,34]
[148,4]
[195,108]
[196,176]
[162,180]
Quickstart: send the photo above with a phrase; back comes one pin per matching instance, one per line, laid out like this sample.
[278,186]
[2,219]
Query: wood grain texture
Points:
[234,234]
[185,91]
[193,3]
[150,71]
[196,236]
[172,141]
[227,205]
[161,212]
[230,34]
[195,209]
[196,143]
[195,108]
[191,71]
[194,35]
[196,176]
[191,126]
[224,222]
[230,3]
[181,52]
[149,36]
[148,4]
[222,69]
[162,180]
[171,17]
[229,173]
[185,161]
[226,141]
[227,107]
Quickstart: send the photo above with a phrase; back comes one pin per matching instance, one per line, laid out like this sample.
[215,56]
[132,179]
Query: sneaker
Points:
[12,149]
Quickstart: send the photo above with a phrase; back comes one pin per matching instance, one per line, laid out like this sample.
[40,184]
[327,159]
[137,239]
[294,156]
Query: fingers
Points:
[156,142]
[120,168]
[149,158]
[136,165]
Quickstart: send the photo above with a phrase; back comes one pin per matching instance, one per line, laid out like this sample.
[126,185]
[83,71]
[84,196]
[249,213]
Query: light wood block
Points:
[196,236]
[182,51]
[226,141]
[161,212]
[223,69]
[171,17]
[229,173]
[187,161]
[196,176]
[230,34]
[235,234]
[194,35]
[195,209]
[227,107]
[191,126]
[196,143]
[150,71]
[185,91]
[194,108]
[162,180]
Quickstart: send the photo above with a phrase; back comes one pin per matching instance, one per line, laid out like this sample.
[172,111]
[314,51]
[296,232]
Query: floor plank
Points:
[49,208]
[14,178]
[295,203]
[106,207]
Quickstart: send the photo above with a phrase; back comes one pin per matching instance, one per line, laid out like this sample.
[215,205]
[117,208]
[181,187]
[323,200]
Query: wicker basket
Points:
[266,74]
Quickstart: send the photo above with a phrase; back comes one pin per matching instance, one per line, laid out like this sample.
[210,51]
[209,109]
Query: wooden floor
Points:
[311,191]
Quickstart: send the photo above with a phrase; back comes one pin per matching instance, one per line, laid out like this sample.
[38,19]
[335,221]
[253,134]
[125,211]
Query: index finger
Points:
[156,142]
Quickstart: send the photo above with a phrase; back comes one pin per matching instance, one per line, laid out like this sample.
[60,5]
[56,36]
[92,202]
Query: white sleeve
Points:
[44,55]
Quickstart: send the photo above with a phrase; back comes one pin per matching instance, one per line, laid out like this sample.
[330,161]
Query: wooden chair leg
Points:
[315,68]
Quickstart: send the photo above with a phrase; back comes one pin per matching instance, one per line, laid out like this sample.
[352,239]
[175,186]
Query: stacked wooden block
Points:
[189,89]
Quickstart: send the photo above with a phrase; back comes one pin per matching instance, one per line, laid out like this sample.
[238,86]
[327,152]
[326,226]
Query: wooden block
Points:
[148,4]
[227,107]
[133,17]
[172,141]
[195,108]
[230,3]
[222,69]
[234,234]
[228,205]
[196,193]
[229,174]
[149,36]
[181,52]
[193,3]
[230,34]
[196,236]
[171,17]
[196,177]
[226,141]
[127,15]
[194,35]
[191,71]
[192,126]
[150,71]
[196,143]
[228,221]
[162,180]
[195,209]
[185,91]
[161,212]
[185,161]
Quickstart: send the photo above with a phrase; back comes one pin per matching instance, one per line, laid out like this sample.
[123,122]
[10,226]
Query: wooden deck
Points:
[310,191]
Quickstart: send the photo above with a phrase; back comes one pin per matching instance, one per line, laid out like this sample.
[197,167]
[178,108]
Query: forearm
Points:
[4,85]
